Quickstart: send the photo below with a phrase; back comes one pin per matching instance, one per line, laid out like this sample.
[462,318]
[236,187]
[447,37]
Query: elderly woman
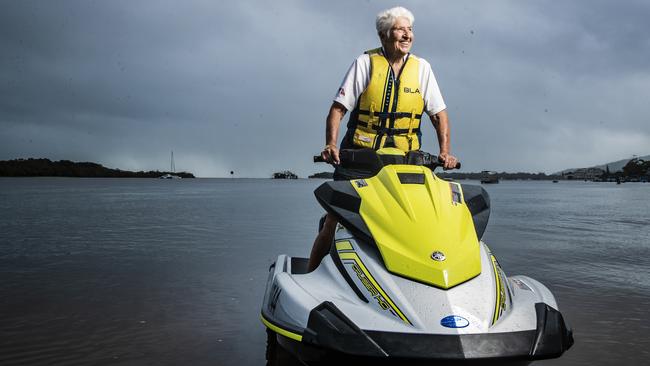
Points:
[387,89]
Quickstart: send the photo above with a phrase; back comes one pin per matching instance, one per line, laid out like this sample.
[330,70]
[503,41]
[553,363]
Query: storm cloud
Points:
[245,86]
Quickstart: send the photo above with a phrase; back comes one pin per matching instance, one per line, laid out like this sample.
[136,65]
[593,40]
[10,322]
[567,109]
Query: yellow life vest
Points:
[388,112]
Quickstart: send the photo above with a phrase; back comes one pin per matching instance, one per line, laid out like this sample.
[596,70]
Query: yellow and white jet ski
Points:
[407,278]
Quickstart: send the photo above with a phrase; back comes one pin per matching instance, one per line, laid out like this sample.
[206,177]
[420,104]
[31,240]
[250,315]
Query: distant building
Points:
[583,174]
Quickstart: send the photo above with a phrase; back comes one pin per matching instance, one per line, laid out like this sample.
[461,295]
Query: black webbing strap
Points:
[393,115]
[389,131]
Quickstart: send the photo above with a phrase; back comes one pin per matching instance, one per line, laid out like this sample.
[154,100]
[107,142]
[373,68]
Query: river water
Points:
[172,272]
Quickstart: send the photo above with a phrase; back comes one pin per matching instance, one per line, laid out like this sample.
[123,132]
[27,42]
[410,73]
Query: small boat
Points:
[169,176]
[173,169]
[489,177]
[285,175]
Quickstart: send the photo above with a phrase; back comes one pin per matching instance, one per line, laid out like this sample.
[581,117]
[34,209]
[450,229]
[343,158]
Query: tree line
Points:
[66,168]
[636,168]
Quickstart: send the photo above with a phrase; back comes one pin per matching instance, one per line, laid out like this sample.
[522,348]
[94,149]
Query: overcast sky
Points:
[246,85]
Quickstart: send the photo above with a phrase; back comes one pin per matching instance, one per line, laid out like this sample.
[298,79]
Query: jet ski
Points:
[407,279]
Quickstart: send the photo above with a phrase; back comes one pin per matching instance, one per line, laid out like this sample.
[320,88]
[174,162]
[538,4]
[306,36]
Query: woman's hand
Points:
[449,161]
[330,154]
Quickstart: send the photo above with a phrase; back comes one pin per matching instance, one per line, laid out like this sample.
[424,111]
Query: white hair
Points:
[387,18]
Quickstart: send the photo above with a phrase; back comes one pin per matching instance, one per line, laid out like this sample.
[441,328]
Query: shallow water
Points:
[145,271]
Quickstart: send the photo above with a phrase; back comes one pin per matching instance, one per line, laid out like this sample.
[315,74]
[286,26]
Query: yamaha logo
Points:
[454,321]
[438,256]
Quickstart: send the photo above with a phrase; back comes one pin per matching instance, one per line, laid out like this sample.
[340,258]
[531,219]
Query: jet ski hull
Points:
[329,335]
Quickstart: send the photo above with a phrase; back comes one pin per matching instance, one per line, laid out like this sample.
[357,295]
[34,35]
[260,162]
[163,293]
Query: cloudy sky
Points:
[246,85]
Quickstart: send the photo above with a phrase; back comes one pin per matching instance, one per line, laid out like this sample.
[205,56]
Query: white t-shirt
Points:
[358,77]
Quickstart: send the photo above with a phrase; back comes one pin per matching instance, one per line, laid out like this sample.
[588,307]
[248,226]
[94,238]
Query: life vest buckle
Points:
[371,115]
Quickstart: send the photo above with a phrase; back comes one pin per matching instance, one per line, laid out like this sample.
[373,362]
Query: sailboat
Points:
[173,169]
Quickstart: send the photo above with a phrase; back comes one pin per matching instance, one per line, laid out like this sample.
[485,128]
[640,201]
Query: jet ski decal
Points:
[275,294]
[281,331]
[500,303]
[456,198]
[350,257]
[520,284]
[454,321]
[344,245]
[361,183]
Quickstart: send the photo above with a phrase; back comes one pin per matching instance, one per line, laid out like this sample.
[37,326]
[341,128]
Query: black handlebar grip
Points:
[441,163]
[456,167]
[319,159]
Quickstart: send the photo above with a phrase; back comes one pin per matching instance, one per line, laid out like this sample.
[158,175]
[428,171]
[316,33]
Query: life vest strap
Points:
[394,115]
[381,130]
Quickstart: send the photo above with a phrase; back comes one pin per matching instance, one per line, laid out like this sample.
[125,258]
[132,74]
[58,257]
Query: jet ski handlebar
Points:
[369,159]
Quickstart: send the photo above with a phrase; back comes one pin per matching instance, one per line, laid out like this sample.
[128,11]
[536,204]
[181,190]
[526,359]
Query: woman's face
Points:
[400,37]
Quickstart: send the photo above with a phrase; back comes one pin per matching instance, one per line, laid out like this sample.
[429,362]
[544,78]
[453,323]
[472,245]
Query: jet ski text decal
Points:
[373,291]
[347,254]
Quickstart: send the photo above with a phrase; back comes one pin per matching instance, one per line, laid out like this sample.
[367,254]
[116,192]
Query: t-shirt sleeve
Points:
[433,101]
[354,83]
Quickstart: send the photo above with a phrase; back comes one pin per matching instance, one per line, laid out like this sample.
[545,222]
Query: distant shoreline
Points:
[66,168]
